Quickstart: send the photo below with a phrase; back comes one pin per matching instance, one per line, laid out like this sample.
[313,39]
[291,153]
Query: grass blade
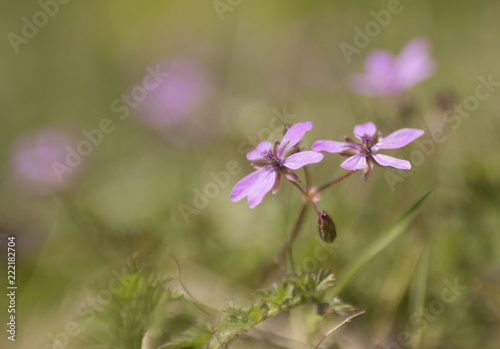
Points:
[381,242]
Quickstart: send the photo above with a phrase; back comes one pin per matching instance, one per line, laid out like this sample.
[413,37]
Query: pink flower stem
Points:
[335,181]
[307,198]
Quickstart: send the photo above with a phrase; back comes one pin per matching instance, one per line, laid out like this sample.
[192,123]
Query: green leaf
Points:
[198,335]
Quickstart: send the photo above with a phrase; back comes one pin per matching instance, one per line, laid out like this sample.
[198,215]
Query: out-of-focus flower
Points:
[361,156]
[387,75]
[272,162]
[176,96]
[39,161]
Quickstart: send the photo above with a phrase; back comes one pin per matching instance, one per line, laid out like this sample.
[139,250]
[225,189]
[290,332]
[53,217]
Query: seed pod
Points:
[326,228]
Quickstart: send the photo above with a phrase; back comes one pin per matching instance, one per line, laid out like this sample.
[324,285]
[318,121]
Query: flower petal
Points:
[302,158]
[330,146]
[260,150]
[414,63]
[368,129]
[389,161]
[398,139]
[255,186]
[293,136]
[380,63]
[261,188]
[356,162]
[381,77]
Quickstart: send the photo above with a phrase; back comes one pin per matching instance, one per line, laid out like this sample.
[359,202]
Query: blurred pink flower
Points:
[37,161]
[361,156]
[388,75]
[177,96]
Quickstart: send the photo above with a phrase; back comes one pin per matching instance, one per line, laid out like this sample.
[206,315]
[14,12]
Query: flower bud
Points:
[326,227]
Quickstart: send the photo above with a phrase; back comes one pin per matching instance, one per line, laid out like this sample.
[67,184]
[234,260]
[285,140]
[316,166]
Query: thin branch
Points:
[347,319]
[308,180]
[202,307]
[335,181]
[281,256]
[302,191]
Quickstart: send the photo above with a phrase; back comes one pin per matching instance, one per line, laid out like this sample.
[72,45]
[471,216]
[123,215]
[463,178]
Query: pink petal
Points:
[380,62]
[380,78]
[414,63]
[416,47]
[389,161]
[368,129]
[255,186]
[261,188]
[302,158]
[398,139]
[356,162]
[330,146]
[258,153]
[293,136]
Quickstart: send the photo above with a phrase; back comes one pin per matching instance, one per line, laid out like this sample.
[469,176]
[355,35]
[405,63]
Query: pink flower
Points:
[177,96]
[35,159]
[362,155]
[387,75]
[272,162]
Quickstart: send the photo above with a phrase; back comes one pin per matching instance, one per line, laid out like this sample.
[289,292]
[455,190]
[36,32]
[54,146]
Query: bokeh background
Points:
[236,70]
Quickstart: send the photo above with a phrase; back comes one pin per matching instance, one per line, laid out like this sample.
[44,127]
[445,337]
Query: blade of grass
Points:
[381,243]
[417,296]
[397,282]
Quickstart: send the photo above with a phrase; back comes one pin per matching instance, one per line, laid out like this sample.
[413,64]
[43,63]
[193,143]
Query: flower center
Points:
[273,159]
[366,144]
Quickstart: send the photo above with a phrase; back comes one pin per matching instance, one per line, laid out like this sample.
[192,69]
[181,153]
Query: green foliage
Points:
[140,306]
[292,292]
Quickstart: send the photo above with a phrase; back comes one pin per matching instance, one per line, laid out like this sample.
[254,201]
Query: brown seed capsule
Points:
[326,228]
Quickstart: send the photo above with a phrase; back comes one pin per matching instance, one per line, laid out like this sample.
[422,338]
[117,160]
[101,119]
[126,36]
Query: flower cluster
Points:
[274,161]
[386,75]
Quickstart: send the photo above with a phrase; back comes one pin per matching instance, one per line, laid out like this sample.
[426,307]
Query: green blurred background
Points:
[258,59]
